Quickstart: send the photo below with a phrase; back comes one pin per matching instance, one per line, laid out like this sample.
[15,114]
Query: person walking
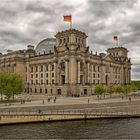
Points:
[88,101]
[39,111]
[129,99]
[43,102]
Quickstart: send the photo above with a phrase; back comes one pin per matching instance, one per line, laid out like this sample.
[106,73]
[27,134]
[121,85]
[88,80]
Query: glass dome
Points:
[46,46]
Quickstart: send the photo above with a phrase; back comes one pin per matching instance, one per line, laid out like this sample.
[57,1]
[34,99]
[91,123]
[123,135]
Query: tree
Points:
[3,83]
[99,89]
[134,88]
[119,89]
[10,84]
[17,84]
[126,89]
[136,84]
[110,90]
[8,91]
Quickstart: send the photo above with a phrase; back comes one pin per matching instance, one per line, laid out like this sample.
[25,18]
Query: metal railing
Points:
[67,112]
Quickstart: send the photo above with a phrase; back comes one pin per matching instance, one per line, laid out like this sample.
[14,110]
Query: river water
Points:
[90,129]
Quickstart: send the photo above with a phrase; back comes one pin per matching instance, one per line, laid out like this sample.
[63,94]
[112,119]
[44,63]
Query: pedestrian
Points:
[39,111]
[43,102]
[54,100]
[122,97]
[129,99]
[98,97]
[88,101]
[48,99]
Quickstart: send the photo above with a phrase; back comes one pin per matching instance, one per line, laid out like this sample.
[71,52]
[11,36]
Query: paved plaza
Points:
[42,100]
[91,103]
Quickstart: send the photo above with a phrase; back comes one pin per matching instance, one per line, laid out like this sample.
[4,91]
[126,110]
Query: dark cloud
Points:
[28,22]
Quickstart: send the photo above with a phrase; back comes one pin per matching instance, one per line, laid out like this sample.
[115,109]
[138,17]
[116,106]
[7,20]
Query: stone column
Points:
[101,73]
[27,77]
[126,75]
[122,75]
[55,73]
[88,72]
[66,71]
[49,73]
[39,76]
[130,75]
[78,70]
[92,73]
[58,74]
[72,70]
[28,73]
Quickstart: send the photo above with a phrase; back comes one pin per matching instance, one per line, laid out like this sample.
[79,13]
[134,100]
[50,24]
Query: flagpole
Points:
[71,22]
[71,25]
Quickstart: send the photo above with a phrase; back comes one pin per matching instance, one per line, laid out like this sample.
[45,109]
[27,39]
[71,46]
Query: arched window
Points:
[62,65]
[81,66]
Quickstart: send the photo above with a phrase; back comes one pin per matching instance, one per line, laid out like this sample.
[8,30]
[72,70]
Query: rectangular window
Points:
[41,68]
[46,67]
[36,75]
[41,75]
[81,79]
[31,69]
[46,74]
[98,68]
[36,68]
[52,81]
[63,66]
[93,75]
[31,75]
[62,79]
[52,74]
[47,82]
[41,81]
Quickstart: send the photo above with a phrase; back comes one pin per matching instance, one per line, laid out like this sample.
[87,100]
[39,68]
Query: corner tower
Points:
[71,39]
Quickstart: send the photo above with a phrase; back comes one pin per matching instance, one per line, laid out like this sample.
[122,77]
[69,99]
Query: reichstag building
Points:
[64,65]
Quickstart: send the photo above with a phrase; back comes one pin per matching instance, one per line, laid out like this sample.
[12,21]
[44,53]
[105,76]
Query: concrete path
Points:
[107,104]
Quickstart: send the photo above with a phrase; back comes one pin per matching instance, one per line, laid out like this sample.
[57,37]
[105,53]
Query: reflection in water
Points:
[99,128]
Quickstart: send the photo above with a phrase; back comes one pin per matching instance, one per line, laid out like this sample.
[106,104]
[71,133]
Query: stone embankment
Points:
[70,109]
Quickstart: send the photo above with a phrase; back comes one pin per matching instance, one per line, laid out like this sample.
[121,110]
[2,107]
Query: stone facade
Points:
[70,68]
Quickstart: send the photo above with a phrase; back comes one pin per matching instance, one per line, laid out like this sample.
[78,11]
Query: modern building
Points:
[64,65]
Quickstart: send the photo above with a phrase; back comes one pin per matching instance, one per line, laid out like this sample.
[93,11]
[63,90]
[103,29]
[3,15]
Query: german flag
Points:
[67,18]
[116,38]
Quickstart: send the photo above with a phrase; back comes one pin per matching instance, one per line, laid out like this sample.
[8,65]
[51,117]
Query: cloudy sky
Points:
[24,22]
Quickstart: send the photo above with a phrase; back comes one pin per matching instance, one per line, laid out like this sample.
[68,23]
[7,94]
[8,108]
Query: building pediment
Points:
[108,57]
